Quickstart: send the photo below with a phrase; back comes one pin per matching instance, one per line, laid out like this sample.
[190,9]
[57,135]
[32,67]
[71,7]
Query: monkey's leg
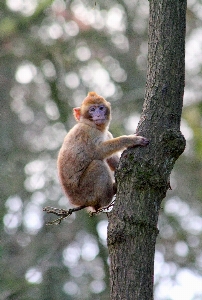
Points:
[62,213]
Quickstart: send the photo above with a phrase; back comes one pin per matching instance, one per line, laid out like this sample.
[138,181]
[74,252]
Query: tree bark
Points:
[143,173]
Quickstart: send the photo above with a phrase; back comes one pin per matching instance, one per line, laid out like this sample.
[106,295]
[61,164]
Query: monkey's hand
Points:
[139,140]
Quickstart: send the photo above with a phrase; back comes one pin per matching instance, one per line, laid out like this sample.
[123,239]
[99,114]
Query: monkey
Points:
[88,156]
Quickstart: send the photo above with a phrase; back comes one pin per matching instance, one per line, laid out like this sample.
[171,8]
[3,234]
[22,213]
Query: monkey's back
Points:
[76,154]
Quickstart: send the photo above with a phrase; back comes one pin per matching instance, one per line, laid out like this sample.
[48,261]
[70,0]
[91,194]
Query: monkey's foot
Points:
[62,213]
[102,210]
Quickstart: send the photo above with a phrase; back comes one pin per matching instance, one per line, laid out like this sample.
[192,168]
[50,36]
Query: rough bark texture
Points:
[143,173]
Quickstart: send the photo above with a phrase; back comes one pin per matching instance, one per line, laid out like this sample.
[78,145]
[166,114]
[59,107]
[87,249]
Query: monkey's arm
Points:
[109,147]
[114,159]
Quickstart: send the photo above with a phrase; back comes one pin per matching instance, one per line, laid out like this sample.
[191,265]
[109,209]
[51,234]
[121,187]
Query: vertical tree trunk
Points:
[143,173]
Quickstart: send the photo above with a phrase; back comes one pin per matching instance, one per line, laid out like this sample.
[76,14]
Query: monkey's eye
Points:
[101,107]
[91,109]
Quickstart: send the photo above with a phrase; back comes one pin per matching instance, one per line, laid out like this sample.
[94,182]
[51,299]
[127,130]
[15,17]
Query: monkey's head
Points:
[95,110]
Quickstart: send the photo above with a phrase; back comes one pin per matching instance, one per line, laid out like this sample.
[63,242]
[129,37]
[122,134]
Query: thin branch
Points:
[62,213]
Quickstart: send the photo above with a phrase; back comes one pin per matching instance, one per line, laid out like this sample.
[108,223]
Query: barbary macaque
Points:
[88,156]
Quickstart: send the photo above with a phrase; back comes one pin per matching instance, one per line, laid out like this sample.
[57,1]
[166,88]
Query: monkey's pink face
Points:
[98,113]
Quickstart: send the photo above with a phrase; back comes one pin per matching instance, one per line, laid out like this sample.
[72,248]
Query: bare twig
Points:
[62,213]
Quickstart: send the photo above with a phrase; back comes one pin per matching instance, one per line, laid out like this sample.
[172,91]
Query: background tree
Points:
[52,53]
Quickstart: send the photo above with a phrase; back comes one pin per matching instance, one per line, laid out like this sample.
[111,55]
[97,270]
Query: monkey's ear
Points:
[77,113]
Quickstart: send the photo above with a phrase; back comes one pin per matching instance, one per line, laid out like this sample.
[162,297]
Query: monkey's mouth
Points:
[99,121]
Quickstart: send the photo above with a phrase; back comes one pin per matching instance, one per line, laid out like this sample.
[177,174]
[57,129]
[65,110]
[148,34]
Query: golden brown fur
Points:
[89,155]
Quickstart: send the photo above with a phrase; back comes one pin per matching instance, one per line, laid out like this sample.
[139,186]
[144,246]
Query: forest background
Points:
[52,53]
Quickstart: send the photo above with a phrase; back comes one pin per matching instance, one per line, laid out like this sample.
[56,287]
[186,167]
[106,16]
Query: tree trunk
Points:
[143,173]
